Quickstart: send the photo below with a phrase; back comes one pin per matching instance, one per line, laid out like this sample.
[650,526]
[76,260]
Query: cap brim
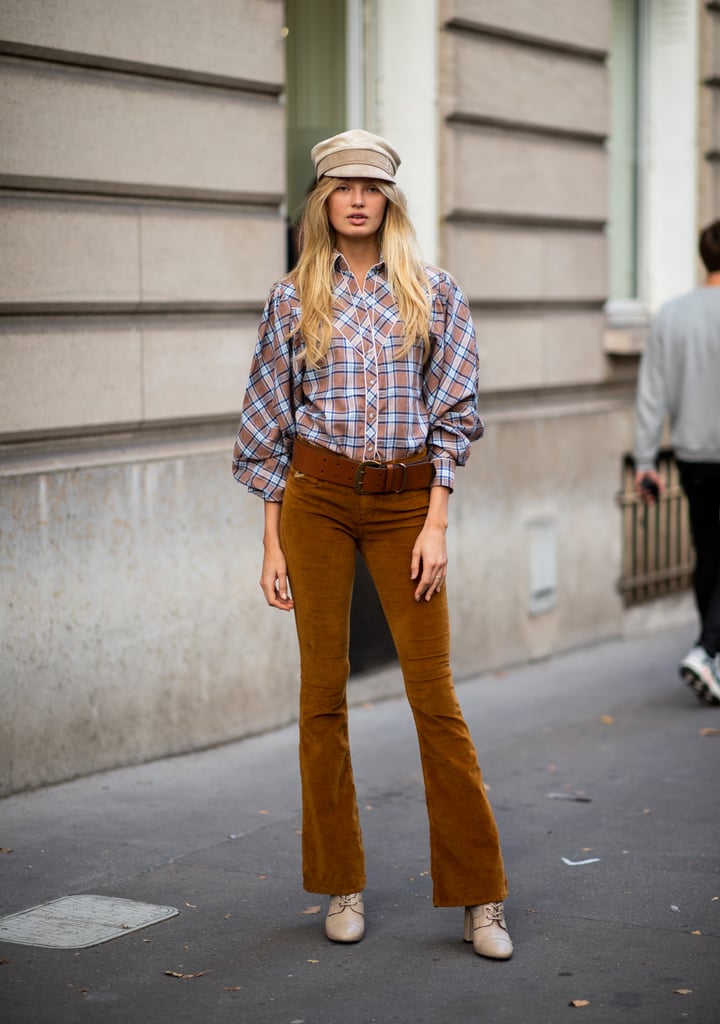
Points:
[359,171]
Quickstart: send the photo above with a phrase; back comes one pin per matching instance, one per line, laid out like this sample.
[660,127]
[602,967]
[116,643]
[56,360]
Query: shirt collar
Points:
[340,263]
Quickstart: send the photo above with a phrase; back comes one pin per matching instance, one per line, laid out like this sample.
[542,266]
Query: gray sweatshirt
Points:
[680,378]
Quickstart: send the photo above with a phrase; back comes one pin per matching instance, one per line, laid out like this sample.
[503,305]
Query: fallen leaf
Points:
[696,933]
[263,812]
[607,719]
[675,910]
[125,925]
[262,877]
[368,807]
[4,962]
[646,810]
[193,906]
[710,732]
[682,991]
[185,977]
[312,910]
[233,988]
[6,849]
[579,1002]
[313,961]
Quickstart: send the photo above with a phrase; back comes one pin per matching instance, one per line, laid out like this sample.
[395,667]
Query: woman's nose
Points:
[358,199]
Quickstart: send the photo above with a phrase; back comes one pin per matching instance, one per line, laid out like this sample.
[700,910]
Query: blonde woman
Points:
[361,402]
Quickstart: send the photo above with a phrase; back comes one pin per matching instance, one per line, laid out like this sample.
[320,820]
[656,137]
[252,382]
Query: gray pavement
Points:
[635,933]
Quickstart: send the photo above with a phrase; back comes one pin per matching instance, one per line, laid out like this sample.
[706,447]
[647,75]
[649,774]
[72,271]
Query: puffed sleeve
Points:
[451,380]
[263,447]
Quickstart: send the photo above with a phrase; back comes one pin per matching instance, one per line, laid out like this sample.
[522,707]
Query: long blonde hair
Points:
[314,280]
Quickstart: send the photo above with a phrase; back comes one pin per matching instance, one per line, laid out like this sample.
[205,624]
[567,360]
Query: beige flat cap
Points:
[355,154]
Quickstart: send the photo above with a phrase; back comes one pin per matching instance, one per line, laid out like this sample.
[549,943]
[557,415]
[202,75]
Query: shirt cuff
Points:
[444,473]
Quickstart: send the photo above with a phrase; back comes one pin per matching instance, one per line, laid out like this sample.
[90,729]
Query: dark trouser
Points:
[701,483]
[322,526]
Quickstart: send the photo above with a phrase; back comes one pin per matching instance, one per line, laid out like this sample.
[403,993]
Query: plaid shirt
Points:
[364,401]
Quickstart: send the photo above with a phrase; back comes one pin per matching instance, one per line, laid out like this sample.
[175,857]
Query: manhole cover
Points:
[75,922]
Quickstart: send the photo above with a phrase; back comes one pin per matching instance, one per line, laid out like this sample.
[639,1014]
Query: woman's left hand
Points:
[429,559]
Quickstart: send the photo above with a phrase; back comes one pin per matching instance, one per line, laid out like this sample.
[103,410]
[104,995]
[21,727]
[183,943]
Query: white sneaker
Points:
[702,674]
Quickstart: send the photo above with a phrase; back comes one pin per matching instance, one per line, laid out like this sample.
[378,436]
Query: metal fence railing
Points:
[657,551]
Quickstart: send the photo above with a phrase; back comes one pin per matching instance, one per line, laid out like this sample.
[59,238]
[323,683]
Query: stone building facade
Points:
[147,151]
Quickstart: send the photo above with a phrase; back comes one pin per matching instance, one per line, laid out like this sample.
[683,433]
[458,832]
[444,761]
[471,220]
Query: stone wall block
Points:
[716,118]
[513,264]
[203,36]
[572,348]
[510,350]
[76,253]
[68,253]
[584,23]
[207,255]
[92,127]
[198,371]
[538,348]
[499,172]
[69,376]
[500,80]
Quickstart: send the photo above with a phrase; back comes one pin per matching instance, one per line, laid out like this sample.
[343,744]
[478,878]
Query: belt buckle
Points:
[360,474]
[403,467]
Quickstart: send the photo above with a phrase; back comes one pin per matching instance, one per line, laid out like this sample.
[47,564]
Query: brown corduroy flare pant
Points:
[321,527]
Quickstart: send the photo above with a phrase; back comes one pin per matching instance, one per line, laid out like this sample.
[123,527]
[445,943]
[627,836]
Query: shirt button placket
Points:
[371,404]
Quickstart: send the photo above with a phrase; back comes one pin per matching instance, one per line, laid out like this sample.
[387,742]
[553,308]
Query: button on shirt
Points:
[364,400]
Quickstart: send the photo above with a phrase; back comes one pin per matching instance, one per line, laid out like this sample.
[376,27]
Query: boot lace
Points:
[348,899]
[495,911]
[489,914]
[495,914]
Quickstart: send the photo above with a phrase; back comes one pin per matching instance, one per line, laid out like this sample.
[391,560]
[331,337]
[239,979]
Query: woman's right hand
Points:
[274,577]
[274,581]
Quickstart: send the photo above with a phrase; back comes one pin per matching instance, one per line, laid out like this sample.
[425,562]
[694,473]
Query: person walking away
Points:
[360,405]
[680,379]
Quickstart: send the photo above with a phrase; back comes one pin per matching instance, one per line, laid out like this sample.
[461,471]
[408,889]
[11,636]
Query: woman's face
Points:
[356,208]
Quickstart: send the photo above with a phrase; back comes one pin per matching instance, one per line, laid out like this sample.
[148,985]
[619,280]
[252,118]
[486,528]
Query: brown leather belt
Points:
[367,477]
